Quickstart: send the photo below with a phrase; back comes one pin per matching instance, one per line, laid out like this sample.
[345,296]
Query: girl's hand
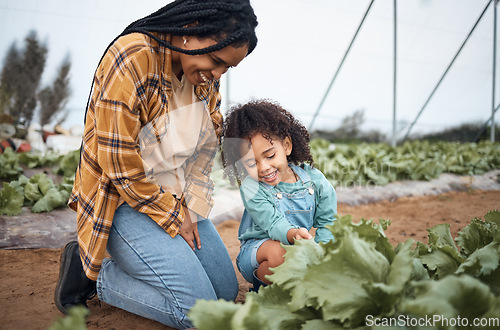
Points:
[297,233]
[189,229]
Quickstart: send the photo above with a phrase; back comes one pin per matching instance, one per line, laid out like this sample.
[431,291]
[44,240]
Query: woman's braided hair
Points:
[229,22]
[266,118]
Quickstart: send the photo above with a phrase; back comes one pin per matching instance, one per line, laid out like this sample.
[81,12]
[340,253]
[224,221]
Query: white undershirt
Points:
[179,129]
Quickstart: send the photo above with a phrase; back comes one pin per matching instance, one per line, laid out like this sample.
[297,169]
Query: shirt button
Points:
[279,195]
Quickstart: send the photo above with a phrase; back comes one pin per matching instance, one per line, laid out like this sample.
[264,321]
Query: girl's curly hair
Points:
[261,117]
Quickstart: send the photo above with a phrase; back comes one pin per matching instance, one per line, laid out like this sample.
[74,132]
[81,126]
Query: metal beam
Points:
[447,69]
[338,69]
[493,102]
[394,138]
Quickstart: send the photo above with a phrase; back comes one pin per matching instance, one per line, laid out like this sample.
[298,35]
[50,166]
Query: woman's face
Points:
[201,68]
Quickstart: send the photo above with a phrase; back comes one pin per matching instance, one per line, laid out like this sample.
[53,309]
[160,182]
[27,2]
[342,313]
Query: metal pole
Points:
[393,142]
[492,130]
[446,71]
[338,69]
[483,127]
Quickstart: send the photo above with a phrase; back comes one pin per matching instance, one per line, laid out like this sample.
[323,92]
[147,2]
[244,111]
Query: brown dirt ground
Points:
[28,277]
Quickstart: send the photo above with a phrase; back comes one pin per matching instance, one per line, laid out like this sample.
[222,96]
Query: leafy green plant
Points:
[39,192]
[10,169]
[34,160]
[11,200]
[361,164]
[75,320]
[361,277]
[68,163]
[10,163]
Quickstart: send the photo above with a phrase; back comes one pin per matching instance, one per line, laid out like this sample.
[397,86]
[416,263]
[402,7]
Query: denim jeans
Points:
[159,277]
[247,258]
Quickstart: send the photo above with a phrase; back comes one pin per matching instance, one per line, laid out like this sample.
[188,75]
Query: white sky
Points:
[301,44]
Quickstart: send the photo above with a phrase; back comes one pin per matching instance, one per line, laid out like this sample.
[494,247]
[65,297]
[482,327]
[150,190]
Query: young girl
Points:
[266,150]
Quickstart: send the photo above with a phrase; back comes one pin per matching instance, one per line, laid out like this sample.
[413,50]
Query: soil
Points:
[28,276]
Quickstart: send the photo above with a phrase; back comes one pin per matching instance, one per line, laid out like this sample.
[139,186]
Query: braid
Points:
[218,46]
[230,22]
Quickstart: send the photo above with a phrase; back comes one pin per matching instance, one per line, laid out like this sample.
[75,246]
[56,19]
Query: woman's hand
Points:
[297,233]
[189,229]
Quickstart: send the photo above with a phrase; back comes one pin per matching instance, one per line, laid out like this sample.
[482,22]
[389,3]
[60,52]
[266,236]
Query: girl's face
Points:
[201,68]
[266,160]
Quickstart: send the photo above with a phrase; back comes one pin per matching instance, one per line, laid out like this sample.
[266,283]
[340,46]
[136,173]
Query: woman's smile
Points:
[202,78]
[203,68]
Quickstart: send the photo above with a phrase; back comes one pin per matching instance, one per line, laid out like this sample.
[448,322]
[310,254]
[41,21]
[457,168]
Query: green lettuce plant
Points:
[39,192]
[364,163]
[361,277]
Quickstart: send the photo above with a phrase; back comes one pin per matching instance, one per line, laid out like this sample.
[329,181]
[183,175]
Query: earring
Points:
[185,40]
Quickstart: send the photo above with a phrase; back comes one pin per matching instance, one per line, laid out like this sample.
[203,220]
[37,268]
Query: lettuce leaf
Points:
[9,165]
[476,235]
[484,264]
[298,258]
[319,324]
[43,181]
[452,297]
[11,201]
[273,302]
[19,184]
[68,163]
[75,320]
[493,217]
[483,261]
[33,160]
[209,314]
[367,230]
[32,191]
[339,284]
[51,200]
[441,257]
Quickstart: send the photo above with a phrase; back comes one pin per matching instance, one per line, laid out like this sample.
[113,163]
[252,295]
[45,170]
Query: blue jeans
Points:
[247,258]
[159,277]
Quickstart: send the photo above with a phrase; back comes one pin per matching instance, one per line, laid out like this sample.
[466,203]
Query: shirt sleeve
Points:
[259,203]
[120,108]
[326,206]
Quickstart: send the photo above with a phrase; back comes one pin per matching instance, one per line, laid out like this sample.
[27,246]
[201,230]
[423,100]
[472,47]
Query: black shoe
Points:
[257,283]
[73,286]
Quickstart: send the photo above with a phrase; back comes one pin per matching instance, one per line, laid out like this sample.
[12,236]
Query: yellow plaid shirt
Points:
[132,87]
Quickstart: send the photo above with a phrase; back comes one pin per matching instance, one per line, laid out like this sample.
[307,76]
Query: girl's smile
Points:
[271,177]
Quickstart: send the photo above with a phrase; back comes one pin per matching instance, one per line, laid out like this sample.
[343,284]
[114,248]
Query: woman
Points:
[142,189]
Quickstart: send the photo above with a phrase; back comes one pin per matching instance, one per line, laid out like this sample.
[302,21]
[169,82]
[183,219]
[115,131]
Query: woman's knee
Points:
[231,291]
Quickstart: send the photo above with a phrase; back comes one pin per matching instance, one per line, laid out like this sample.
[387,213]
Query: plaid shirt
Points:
[132,87]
